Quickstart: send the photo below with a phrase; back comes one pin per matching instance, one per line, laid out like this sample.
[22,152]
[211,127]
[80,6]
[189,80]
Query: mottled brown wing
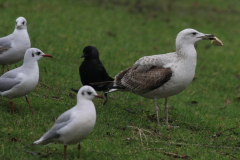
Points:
[3,49]
[141,82]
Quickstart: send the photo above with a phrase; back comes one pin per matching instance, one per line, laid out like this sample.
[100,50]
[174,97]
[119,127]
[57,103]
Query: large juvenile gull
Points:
[75,124]
[162,76]
[21,81]
[14,46]
[92,70]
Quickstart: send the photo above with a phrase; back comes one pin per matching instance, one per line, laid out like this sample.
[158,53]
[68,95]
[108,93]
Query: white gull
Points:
[162,76]
[75,124]
[14,46]
[23,80]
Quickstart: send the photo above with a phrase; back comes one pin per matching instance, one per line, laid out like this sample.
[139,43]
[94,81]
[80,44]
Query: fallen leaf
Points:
[227,102]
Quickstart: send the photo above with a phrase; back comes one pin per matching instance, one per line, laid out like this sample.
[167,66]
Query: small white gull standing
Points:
[23,80]
[14,46]
[162,76]
[75,124]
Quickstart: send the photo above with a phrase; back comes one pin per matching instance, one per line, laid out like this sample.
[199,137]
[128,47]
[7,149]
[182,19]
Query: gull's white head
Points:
[21,23]
[191,36]
[34,54]
[87,92]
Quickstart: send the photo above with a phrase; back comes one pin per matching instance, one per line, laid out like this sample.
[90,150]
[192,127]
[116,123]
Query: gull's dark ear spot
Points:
[32,55]
[83,93]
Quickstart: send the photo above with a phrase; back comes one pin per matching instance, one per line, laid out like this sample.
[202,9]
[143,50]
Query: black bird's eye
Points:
[38,53]
[83,93]
[23,22]
[194,33]
[89,93]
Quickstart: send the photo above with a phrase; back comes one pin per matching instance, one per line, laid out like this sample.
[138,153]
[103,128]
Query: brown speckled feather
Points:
[143,80]
[3,49]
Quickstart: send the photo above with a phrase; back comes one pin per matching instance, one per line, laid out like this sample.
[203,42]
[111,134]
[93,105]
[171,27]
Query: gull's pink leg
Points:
[166,109]
[29,105]
[156,108]
[12,106]
[79,148]
[65,151]
[8,67]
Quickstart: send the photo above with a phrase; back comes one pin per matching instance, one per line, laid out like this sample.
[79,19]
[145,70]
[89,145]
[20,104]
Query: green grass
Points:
[123,32]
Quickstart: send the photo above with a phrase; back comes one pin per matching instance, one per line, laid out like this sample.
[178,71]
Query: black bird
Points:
[92,70]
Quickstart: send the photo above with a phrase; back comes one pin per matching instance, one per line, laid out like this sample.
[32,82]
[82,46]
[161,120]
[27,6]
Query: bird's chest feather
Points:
[29,81]
[21,42]
[79,128]
[90,68]
[183,73]
[182,76]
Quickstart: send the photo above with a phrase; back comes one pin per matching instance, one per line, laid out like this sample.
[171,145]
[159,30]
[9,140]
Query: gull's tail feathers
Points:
[42,141]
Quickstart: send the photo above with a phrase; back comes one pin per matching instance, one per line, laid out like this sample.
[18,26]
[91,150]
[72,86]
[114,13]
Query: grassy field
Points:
[207,112]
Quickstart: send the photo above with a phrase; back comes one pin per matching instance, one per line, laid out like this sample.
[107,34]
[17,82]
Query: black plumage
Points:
[92,70]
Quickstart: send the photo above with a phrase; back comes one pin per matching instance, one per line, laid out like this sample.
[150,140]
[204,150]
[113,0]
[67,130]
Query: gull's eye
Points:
[194,33]
[89,93]
[23,22]
[38,53]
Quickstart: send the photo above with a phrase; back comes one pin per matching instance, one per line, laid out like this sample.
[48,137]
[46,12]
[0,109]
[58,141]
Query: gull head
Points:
[34,54]
[87,92]
[90,52]
[21,23]
[191,36]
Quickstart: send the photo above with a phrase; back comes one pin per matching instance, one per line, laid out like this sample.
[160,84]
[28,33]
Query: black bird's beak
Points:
[84,55]
[207,37]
